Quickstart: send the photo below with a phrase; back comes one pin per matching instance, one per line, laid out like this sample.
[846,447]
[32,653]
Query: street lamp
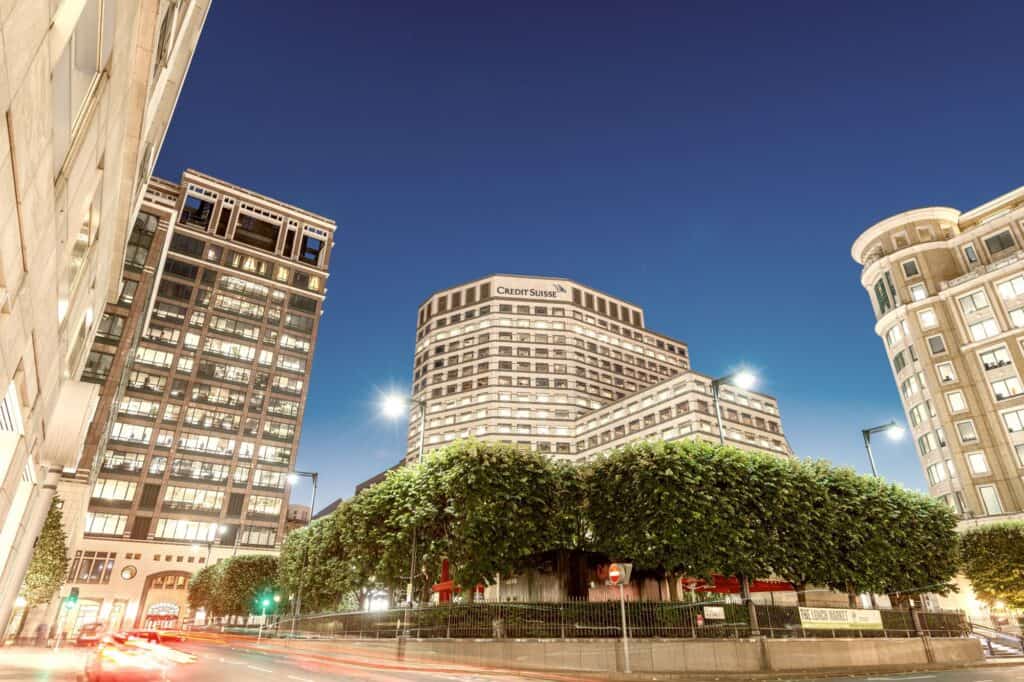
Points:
[744,379]
[293,478]
[393,406]
[893,430]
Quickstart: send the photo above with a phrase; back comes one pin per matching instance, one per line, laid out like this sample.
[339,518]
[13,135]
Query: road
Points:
[246,661]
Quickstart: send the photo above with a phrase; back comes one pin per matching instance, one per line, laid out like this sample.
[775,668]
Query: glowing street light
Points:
[393,406]
[893,430]
[743,379]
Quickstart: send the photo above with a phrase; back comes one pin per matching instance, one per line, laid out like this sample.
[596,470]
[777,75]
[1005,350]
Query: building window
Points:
[885,294]
[936,473]
[910,268]
[995,358]
[1014,420]
[105,524]
[1006,388]
[256,232]
[928,319]
[998,243]
[977,463]
[113,490]
[936,344]
[92,567]
[945,372]
[181,529]
[965,430]
[196,211]
[77,72]
[918,292]
[990,499]
[97,367]
[974,302]
[956,401]
[1011,288]
[1019,450]
[985,329]
[970,254]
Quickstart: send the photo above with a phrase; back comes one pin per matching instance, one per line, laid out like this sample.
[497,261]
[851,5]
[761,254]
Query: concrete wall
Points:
[720,656]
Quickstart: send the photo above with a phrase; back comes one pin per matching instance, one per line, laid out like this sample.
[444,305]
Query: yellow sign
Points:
[840,619]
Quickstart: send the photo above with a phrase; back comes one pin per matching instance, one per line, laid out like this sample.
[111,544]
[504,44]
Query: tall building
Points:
[947,290]
[87,88]
[558,367]
[203,364]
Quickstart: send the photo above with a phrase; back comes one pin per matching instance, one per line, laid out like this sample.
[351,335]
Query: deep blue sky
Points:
[712,162]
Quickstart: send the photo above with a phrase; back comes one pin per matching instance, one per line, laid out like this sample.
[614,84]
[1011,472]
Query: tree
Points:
[485,507]
[203,589]
[49,565]
[241,579]
[993,560]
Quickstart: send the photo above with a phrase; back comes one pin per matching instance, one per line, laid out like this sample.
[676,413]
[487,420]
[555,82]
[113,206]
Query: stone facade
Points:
[87,88]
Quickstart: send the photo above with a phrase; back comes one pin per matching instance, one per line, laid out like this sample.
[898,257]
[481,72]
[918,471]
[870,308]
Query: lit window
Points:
[918,292]
[965,430]
[928,319]
[978,464]
[995,358]
[945,372]
[1011,288]
[1006,388]
[956,401]
[990,498]
[985,329]
[973,302]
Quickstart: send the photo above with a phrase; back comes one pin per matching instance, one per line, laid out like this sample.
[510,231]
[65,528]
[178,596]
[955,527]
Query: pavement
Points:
[231,659]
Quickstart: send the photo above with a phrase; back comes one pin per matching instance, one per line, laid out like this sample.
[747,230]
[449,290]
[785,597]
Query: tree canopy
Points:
[993,560]
[672,508]
[231,586]
[49,565]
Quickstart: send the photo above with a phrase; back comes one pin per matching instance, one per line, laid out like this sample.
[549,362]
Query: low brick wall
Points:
[705,656]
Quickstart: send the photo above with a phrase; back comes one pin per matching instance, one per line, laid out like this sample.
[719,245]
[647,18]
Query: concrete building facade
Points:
[554,366]
[87,88]
[203,365]
[947,289]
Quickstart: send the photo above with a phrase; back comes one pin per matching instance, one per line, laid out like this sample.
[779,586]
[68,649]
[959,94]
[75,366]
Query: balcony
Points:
[978,271]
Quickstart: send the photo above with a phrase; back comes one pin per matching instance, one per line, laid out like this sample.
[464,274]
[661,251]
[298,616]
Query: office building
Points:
[87,88]
[203,362]
[563,369]
[947,289]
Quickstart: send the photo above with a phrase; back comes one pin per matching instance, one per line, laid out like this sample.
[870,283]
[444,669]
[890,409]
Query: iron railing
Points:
[568,620]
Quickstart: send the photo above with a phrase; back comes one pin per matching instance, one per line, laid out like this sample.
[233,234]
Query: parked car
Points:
[90,634]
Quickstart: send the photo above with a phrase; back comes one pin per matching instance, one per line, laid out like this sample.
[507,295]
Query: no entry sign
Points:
[618,574]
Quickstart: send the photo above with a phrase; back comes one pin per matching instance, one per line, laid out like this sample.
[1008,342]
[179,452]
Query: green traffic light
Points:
[266,602]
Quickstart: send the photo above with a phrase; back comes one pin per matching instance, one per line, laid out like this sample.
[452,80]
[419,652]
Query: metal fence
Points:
[603,619]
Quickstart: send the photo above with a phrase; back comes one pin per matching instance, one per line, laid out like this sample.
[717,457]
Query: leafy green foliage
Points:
[993,560]
[230,587]
[676,508]
[49,565]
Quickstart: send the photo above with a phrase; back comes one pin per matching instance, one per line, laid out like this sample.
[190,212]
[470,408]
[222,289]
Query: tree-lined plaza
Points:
[673,509]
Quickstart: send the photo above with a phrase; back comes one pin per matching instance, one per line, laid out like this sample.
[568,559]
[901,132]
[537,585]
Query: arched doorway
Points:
[164,600]
[162,616]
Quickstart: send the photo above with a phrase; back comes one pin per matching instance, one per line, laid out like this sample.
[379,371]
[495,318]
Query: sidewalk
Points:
[41,664]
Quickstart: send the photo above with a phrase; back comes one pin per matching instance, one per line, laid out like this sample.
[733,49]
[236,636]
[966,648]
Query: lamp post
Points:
[742,379]
[892,429]
[293,478]
[394,406]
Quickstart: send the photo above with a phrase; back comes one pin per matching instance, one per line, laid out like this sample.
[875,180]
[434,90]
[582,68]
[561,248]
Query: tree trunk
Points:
[851,596]
[801,593]
[673,586]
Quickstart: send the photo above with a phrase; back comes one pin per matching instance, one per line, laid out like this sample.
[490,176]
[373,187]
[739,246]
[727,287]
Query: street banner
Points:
[840,619]
[714,612]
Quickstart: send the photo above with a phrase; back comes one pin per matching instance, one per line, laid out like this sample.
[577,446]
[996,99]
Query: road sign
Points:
[618,574]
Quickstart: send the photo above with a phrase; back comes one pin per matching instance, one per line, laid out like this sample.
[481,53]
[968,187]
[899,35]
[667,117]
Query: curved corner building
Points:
[948,293]
[554,366]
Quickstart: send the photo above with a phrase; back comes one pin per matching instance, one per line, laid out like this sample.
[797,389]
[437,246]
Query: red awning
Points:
[731,585]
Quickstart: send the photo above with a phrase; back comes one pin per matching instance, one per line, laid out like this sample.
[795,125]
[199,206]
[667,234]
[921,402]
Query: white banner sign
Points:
[714,612]
[812,618]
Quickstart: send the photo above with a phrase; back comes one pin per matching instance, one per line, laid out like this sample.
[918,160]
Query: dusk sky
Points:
[711,162]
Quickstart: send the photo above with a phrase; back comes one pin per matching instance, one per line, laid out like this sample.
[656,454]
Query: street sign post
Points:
[618,574]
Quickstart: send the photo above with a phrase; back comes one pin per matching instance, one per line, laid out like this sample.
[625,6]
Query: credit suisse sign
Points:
[532,288]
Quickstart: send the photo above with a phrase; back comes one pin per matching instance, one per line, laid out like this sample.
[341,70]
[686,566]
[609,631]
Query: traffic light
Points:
[72,599]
